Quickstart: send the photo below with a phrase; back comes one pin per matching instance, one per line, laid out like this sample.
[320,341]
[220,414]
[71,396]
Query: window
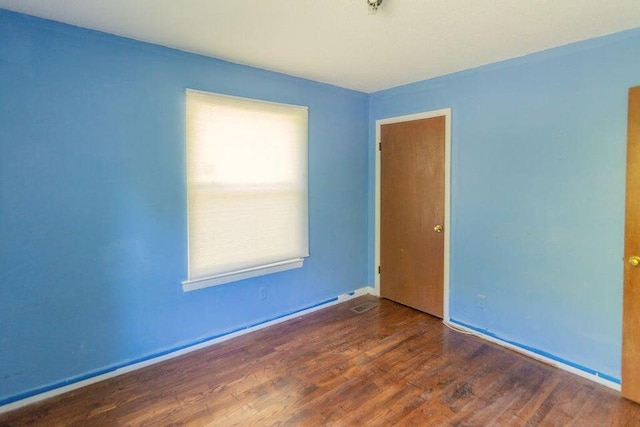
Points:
[246,188]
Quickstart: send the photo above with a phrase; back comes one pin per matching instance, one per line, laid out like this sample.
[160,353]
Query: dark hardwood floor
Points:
[390,365]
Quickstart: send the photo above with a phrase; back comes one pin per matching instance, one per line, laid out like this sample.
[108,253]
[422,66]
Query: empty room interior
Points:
[346,212]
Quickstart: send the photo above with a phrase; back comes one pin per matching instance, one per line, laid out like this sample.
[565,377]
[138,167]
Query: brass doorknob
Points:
[634,261]
[438,229]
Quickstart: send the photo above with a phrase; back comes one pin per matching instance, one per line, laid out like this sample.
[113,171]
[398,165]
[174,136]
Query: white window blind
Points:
[246,188]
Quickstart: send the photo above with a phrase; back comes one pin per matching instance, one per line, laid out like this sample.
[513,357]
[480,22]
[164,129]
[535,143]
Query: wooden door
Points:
[631,309]
[412,213]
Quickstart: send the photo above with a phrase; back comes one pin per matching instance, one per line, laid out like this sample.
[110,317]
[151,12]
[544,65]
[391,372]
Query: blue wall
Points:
[538,179]
[93,207]
[93,215]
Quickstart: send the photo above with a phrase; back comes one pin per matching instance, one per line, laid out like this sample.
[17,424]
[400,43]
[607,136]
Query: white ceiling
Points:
[338,42]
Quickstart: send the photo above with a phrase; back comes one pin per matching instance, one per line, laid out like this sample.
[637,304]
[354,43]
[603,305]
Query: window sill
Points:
[192,285]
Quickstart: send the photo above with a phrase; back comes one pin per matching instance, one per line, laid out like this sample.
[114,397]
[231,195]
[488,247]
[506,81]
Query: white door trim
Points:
[446,112]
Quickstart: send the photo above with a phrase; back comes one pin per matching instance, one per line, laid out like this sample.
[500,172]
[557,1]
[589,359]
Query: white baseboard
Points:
[365,290]
[340,299]
[538,357]
[135,366]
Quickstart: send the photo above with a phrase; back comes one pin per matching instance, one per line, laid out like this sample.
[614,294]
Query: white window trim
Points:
[220,279]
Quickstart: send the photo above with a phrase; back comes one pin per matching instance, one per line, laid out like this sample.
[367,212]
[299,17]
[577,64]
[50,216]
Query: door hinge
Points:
[379,146]
[378,269]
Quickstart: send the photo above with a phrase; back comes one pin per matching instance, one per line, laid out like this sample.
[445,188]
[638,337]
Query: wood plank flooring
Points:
[390,365]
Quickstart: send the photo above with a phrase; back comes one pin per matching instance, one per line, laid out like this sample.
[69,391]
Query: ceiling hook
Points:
[373,6]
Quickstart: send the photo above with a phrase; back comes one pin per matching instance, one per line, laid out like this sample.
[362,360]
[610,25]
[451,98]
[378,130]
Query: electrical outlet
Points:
[262,294]
[481,301]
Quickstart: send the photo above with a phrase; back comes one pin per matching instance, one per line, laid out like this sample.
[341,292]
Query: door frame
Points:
[446,112]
